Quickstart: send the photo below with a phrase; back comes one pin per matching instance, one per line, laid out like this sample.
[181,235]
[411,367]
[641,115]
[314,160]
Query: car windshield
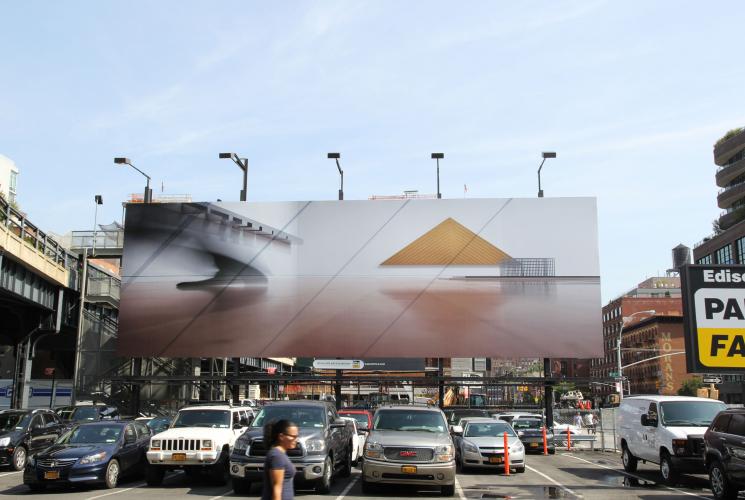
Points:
[359,417]
[527,423]
[159,424]
[689,413]
[92,434]
[457,416]
[302,416]
[13,421]
[203,418]
[488,429]
[83,413]
[403,420]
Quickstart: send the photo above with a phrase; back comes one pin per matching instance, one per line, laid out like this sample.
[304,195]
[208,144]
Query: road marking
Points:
[349,487]
[459,490]
[9,473]
[640,478]
[557,483]
[220,496]
[116,492]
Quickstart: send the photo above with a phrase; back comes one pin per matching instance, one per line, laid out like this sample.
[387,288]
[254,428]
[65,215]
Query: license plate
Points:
[534,445]
[51,474]
[178,457]
[495,460]
[408,469]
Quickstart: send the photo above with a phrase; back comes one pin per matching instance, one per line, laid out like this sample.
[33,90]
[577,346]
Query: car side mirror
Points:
[237,425]
[363,426]
[244,422]
[338,424]
[456,429]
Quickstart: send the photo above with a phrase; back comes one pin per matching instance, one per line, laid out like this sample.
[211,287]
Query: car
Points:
[665,430]
[358,441]
[93,412]
[200,439]
[90,453]
[480,444]
[158,424]
[409,445]
[324,445]
[530,432]
[724,444]
[455,415]
[363,417]
[511,415]
[25,432]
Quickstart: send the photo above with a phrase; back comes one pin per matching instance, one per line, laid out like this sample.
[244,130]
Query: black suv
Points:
[25,432]
[724,442]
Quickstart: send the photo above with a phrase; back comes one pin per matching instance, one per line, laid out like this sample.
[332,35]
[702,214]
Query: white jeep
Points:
[200,439]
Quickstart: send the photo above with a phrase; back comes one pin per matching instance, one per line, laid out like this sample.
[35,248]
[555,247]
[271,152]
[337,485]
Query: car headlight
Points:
[91,459]
[155,444]
[444,453]
[315,445]
[206,444]
[4,441]
[470,447]
[373,450]
[517,447]
[241,445]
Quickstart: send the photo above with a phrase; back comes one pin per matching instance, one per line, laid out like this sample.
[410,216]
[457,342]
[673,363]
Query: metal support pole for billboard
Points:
[548,394]
[79,340]
[440,383]
[235,387]
[337,389]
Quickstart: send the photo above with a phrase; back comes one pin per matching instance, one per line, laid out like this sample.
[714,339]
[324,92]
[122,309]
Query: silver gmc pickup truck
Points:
[409,445]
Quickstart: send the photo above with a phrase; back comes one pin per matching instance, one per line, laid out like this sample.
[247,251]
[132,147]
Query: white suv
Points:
[200,439]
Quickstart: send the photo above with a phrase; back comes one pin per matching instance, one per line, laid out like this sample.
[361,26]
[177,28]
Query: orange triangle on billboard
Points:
[448,243]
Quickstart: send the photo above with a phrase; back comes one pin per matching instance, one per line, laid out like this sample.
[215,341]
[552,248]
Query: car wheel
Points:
[520,470]
[629,461]
[346,469]
[241,486]
[668,472]
[448,490]
[154,475]
[720,485]
[111,478]
[552,451]
[18,461]
[323,485]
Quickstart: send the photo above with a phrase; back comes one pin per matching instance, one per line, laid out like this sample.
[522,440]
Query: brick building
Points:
[646,339]
[660,294]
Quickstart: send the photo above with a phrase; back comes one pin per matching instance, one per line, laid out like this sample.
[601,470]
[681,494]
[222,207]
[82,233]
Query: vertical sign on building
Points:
[714,309]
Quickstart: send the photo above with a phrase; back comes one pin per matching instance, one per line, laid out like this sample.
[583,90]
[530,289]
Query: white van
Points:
[666,430]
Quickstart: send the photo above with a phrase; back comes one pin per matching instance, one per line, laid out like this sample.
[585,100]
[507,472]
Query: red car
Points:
[363,417]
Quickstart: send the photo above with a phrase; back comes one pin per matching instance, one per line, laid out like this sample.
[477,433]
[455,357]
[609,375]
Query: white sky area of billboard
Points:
[630,95]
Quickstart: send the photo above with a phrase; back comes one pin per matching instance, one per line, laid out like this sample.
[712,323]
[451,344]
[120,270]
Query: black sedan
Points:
[530,432]
[91,453]
[24,432]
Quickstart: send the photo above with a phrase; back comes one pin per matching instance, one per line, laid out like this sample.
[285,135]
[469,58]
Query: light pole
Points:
[625,321]
[545,154]
[243,164]
[438,157]
[336,156]
[148,192]
[99,201]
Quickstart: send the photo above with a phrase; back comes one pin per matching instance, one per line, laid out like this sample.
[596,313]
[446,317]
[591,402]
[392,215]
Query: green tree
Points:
[689,386]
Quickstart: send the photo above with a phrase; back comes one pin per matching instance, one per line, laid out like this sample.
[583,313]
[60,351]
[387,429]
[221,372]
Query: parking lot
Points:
[564,475]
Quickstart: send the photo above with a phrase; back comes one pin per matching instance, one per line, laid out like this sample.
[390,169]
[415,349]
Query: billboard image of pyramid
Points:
[448,243]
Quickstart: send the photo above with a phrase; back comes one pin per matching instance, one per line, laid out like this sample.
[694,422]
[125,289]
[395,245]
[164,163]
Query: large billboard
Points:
[714,310]
[359,279]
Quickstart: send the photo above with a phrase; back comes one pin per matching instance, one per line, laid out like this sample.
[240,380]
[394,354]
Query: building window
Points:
[13,180]
[706,259]
[740,245]
[724,255]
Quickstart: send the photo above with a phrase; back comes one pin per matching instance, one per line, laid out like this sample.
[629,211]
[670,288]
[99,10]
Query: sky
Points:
[631,95]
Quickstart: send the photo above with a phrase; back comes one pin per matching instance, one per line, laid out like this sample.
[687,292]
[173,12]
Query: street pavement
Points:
[564,475]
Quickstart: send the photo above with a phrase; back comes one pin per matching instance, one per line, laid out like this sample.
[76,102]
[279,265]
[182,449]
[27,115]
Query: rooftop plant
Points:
[729,135]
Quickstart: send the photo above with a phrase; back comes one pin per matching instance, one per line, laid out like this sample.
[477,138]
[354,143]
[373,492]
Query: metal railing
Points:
[104,286]
[104,239]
